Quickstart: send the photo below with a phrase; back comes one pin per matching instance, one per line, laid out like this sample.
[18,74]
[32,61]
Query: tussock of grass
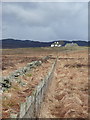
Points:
[29,75]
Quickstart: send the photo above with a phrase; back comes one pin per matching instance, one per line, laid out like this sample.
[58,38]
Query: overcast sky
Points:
[45,21]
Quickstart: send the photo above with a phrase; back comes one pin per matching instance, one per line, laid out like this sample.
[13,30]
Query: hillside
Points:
[12,43]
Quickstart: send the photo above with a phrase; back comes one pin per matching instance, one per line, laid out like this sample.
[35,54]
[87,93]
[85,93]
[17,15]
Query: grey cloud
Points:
[45,21]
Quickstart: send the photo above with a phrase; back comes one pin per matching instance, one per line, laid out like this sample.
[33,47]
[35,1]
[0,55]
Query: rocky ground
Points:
[68,94]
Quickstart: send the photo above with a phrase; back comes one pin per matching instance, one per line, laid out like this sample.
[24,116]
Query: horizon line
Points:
[46,41]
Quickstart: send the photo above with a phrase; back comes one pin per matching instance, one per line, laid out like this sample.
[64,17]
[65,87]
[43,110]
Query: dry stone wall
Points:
[7,81]
[31,107]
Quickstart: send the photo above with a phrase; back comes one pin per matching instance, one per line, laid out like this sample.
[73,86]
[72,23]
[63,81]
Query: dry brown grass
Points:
[68,94]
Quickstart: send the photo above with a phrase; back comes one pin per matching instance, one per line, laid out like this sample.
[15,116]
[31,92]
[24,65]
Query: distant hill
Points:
[12,43]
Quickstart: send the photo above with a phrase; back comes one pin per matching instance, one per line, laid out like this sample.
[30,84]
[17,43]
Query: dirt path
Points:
[67,96]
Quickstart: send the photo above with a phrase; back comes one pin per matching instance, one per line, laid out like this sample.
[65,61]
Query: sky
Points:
[45,21]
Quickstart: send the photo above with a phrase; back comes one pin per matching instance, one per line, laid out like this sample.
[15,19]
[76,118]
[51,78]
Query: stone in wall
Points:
[5,83]
[22,109]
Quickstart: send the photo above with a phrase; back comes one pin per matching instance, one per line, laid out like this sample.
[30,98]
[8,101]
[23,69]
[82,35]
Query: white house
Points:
[56,44]
[59,45]
[52,45]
